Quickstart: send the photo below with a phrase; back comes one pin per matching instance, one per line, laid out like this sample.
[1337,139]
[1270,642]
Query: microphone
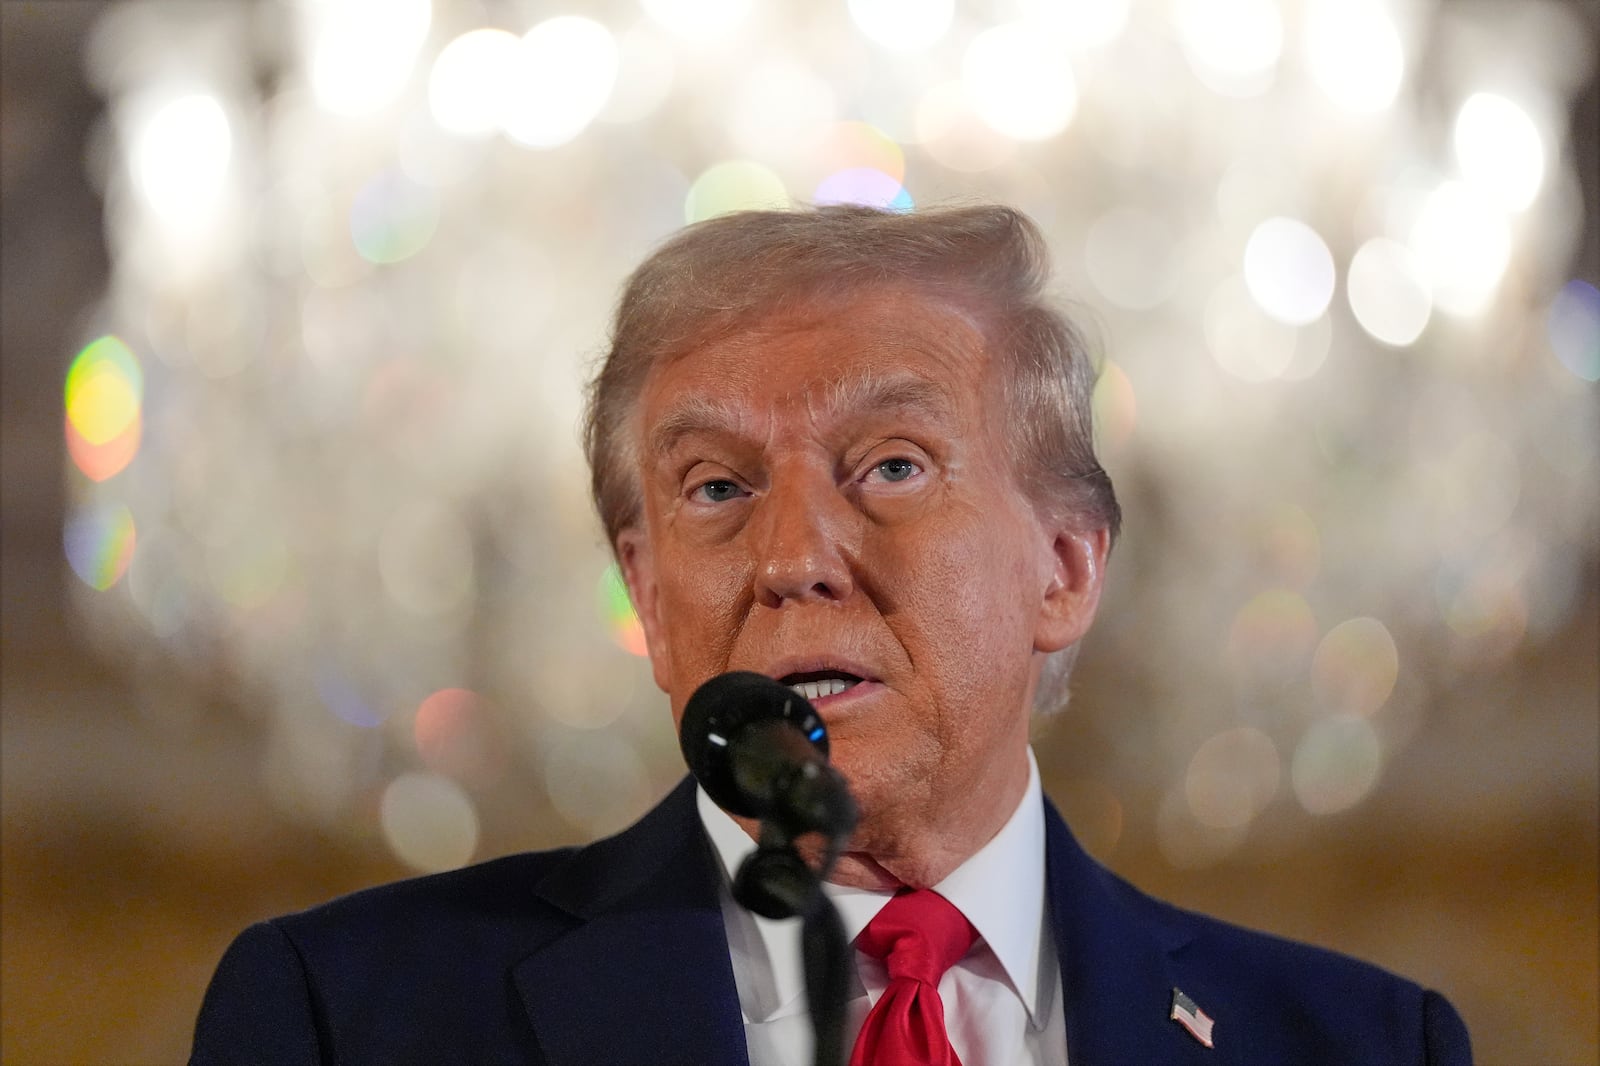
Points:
[760,750]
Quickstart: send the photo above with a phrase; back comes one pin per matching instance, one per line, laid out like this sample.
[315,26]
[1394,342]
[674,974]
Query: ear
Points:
[1076,573]
[638,570]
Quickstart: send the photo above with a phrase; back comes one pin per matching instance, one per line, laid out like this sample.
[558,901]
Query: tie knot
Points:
[918,934]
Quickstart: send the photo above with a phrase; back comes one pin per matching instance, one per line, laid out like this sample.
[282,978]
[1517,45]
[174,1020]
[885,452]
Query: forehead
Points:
[878,349]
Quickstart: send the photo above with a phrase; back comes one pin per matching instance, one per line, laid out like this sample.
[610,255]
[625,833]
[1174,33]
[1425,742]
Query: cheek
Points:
[958,593]
[703,605]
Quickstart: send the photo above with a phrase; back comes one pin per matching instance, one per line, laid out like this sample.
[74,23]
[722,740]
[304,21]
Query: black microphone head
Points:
[716,713]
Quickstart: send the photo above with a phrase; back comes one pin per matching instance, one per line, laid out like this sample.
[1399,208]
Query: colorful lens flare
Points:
[864,186]
[736,185]
[99,543]
[861,144]
[104,395]
[616,610]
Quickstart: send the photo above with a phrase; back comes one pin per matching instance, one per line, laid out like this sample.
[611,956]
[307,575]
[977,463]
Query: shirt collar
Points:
[1000,889]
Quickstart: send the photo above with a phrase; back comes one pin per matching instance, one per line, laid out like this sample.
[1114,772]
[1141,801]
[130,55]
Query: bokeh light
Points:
[1078,23]
[1272,634]
[1291,546]
[362,51]
[1018,83]
[348,432]
[1573,325]
[865,186]
[1116,408]
[1386,292]
[393,218]
[99,541]
[699,21]
[560,80]
[454,736]
[101,461]
[903,25]
[736,185]
[1483,604]
[849,145]
[1355,667]
[1289,270]
[472,81]
[429,822]
[618,615]
[1336,764]
[1253,346]
[1232,777]
[1462,244]
[1188,843]
[180,158]
[1232,46]
[104,398]
[1499,149]
[1353,52]
[346,699]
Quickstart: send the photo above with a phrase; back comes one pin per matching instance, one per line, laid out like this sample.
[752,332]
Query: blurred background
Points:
[302,588]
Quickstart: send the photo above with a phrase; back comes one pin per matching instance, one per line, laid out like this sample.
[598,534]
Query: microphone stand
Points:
[775,882]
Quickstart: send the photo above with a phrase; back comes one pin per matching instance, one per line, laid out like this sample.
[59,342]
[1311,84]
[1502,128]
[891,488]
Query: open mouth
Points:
[817,684]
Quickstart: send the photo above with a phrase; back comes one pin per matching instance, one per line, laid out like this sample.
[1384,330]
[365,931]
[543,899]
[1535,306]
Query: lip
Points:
[830,707]
[806,664]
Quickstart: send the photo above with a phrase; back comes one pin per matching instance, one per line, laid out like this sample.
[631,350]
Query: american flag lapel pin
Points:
[1187,1013]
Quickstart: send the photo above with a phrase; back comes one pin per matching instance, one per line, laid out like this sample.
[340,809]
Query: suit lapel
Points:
[1116,978]
[643,976]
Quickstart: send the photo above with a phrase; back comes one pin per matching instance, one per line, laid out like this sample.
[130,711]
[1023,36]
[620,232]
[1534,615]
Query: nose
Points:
[800,540]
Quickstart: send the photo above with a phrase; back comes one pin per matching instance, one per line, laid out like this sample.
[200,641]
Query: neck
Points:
[920,852]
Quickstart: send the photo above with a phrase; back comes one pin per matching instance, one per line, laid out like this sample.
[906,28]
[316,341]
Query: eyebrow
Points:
[689,416]
[859,394]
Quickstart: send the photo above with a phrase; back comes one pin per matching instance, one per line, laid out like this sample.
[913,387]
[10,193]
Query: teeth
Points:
[815,690]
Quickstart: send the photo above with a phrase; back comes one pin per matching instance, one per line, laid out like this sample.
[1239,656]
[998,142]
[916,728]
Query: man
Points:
[849,450]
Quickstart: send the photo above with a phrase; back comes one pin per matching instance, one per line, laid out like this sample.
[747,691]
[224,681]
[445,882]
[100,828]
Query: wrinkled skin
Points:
[836,492]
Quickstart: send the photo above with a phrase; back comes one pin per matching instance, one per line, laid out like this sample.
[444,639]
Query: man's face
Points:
[828,500]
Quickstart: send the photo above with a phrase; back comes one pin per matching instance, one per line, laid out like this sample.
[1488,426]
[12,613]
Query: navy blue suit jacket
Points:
[614,954]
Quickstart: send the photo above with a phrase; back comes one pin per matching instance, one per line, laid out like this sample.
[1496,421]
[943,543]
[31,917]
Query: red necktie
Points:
[919,935]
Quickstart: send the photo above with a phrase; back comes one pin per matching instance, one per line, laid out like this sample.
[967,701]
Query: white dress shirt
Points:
[1002,1002]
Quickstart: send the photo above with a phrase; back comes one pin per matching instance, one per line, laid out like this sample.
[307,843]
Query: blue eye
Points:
[718,491]
[897,469]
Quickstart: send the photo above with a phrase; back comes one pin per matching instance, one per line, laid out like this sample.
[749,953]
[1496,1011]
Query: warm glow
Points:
[1500,150]
[1079,23]
[1232,45]
[699,20]
[1289,271]
[1463,245]
[1018,83]
[363,51]
[1353,52]
[1386,292]
[560,81]
[903,25]
[472,81]
[180,157]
